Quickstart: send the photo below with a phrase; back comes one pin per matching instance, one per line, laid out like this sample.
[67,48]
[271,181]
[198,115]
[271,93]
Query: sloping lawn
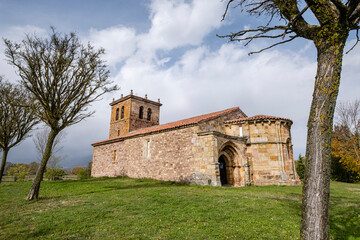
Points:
[124,208]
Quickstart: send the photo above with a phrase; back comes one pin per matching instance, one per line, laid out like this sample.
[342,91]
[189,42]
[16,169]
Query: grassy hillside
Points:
[123,208]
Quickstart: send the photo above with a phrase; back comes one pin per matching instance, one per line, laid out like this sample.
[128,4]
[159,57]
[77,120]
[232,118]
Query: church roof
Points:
[258,118]
[172,125]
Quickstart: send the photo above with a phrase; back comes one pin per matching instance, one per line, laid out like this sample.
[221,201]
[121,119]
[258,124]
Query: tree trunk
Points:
[4,156]
[316,189]
[35,188]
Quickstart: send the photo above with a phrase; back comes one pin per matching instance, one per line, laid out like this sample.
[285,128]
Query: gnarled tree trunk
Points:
[316,189]
[35,188]
[3,162]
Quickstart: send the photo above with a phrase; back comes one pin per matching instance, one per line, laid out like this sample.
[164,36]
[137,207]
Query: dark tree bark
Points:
[336,19]
[40,139]
[3,162]
[35,188]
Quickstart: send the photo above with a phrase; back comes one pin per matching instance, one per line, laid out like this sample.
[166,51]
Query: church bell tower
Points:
[132,112]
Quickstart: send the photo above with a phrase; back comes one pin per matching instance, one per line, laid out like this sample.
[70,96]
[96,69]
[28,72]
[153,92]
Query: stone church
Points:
[225,148]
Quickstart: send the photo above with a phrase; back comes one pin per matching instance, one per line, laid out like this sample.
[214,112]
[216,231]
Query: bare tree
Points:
[336,19]
[16,121]
[346,138]
[348,115]
[64,77]
[40,139]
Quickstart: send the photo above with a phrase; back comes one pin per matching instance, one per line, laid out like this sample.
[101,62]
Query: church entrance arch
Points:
[229,165]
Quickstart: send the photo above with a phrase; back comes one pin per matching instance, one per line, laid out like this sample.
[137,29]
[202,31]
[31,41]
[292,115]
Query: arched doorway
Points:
[229,166]
[222,168]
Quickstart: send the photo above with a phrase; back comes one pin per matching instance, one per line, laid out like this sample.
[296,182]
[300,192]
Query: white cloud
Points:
[178,23]
[119,42]
[173,24]
[350,76]
[17,33]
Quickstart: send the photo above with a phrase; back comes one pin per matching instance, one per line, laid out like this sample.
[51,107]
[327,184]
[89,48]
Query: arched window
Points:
[141,112]
[117,114]
[289,156]
[122,112]
[288,145]
[149,114]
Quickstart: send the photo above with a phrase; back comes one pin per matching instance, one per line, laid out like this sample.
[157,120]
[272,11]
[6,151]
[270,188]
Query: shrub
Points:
[54,173]
[340,173]
[8,165]
[76,170]
[300,167]
[85,173]
[19,171]
[337,170]
[82,174]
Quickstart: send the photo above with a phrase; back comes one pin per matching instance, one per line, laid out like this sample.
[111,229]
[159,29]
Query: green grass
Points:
[123,208]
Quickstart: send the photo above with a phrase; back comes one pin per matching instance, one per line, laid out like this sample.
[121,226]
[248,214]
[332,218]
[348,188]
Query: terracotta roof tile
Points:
[258,117]
[171,125]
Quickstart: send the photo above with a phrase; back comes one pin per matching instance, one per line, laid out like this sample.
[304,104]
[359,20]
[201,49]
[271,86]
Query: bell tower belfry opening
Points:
[132,112]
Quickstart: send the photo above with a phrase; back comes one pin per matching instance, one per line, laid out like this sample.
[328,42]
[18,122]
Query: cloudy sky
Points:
[168,49]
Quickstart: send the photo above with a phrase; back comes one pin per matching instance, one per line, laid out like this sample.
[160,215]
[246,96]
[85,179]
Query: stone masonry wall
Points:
[217,124]
[270,151]
[136,122]
[174,155]
[205,155]
[169,156]
[120,126]
[131,120]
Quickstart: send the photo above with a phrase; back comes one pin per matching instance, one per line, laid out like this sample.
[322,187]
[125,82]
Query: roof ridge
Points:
[218,113]
[259,117]
[172,125]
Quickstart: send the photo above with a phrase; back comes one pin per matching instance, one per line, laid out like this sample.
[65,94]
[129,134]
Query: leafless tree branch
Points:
[226,10]
[294,19]
[348,120]
[355,13]
[357,40]
[260,32]
[271,46]
[340,6]
[324,11]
